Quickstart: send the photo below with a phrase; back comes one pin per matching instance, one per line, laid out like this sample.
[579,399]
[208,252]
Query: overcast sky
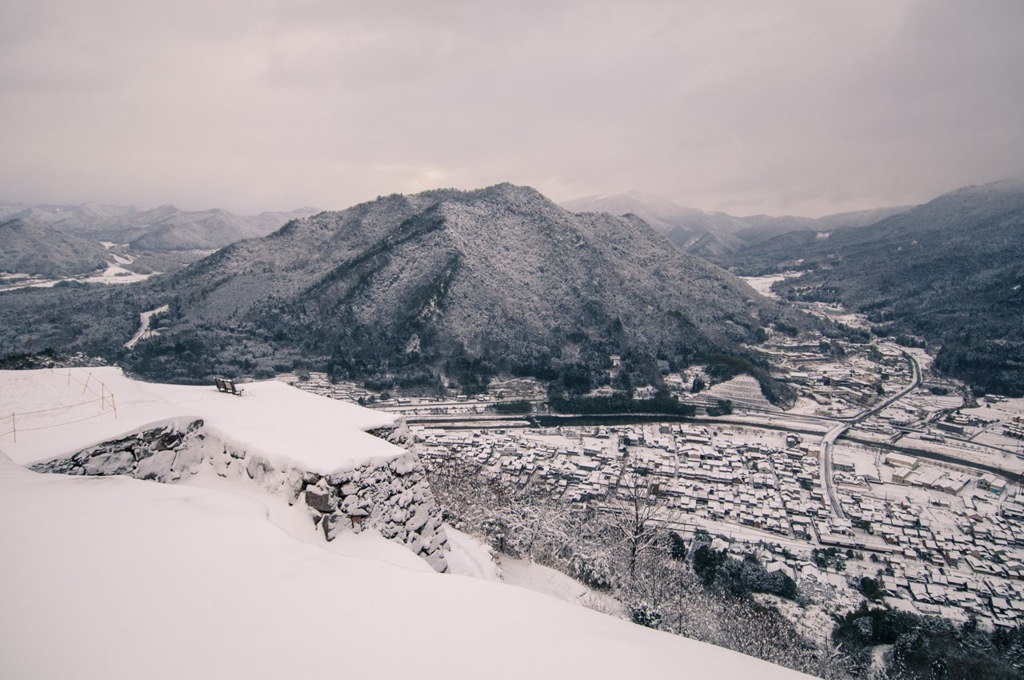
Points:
[790,106]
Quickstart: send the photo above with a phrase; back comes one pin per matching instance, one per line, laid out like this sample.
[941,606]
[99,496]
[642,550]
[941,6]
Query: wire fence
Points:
[97,398]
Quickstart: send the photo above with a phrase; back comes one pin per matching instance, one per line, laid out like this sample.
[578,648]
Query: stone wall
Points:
[392,497]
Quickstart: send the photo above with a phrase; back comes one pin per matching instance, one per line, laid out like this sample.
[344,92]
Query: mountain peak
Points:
[500,279]
[504,191]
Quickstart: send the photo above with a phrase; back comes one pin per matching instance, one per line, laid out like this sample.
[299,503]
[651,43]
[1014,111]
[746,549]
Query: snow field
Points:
[111,577]
[286,426]
[118,578]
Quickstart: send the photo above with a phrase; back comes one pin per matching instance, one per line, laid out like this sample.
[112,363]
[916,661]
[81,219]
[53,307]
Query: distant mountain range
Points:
[31,247]
[47,232]
[718,236]
[951,271]
[467,284]
[443,285]
[458,286]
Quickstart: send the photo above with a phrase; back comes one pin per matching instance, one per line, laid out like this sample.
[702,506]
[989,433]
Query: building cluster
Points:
[320,383]
[961,549]
[959,554]
[942,539]
[971,569]
[855,381]
[704,475]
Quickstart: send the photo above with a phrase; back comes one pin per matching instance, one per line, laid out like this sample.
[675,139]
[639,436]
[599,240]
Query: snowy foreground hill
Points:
[224,576]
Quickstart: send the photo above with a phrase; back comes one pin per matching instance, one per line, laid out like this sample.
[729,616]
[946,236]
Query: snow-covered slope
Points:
[60,412]
[116,578]
[112,577]
[498,279]
[288,445]
[31,247]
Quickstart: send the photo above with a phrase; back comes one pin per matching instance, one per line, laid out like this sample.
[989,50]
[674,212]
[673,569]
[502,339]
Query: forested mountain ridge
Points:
[951,270]
[57,241]
[461,284]
[28,246]
[717,236]
[162,229]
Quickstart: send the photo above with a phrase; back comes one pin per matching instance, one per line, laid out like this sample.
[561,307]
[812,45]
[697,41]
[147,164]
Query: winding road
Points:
[144,332]
[829,440]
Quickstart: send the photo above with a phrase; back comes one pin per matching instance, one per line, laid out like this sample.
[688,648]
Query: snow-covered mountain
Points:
[950,270]
[501,277]
[662,214]
[64,240]
[157,229]
[168,228]
[29,246]
[717,236]
[217,576]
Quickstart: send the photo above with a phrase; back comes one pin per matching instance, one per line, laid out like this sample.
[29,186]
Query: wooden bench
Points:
[227,386]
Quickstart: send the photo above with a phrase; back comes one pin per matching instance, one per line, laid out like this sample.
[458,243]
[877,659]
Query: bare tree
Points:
[639,512]
[622,546]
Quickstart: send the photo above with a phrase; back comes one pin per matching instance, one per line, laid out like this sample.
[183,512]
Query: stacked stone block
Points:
[390,496]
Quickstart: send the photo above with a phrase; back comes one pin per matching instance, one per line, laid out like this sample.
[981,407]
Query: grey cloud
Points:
[796,106]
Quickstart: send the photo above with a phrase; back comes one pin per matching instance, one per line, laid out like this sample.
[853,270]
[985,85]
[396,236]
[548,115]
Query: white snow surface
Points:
[116,274]
[763,284]
[62,411]
[553,583]
[109,577]
[469,557]
[112,577]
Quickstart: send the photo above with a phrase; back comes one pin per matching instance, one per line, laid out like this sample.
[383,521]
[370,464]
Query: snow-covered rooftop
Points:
[59,412]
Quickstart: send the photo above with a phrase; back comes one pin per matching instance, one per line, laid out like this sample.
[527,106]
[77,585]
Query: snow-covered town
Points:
[943,541]
[879,463]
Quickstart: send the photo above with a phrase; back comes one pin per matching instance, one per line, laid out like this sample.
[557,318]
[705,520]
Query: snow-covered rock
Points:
[60,412]
[372,496]
[314,446]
